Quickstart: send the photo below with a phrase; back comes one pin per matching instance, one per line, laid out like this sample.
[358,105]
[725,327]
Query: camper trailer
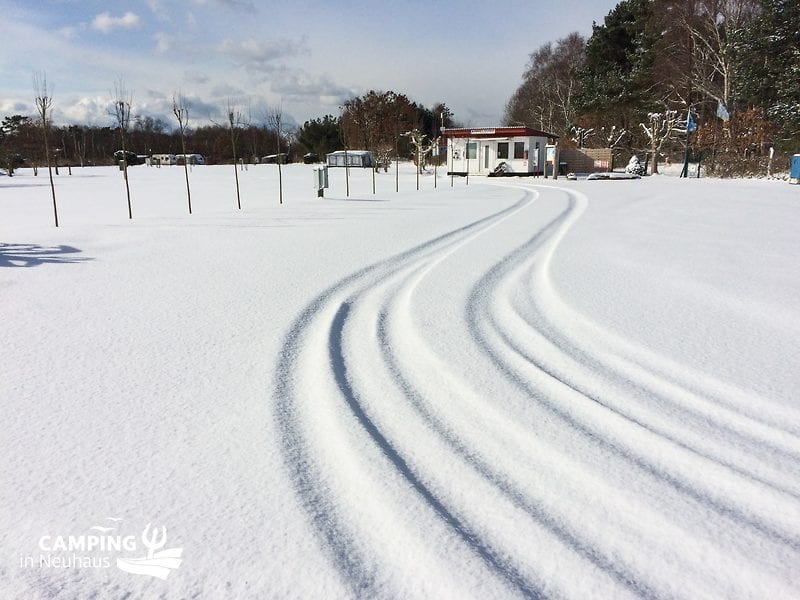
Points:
[163,159]
[190,159]
[354,158]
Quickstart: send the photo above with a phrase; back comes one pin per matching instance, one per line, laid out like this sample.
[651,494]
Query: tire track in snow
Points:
[328,317]
[357,571]
[487,554]
[472,456]
[790,448]
[601,555]
[663,415]
[590,423]
[630,363]
[606,560]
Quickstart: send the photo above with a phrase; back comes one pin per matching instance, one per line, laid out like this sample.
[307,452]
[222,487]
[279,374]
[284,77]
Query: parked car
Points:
[130,157]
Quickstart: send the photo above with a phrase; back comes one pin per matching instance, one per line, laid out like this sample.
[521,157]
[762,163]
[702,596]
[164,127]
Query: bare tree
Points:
[44,102]
[546,96]
[420,149]
[660,128]
[580,135]
[234,121]
[181,112]
[253,129]
[716,34]
[275,120]
[612,136]
[121,98]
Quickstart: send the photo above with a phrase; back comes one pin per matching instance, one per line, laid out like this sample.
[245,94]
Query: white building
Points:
[480,151]
[163,159]
[355,158]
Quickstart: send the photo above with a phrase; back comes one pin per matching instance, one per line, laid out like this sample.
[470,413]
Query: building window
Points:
[472,150]
[519,149]
[502,149]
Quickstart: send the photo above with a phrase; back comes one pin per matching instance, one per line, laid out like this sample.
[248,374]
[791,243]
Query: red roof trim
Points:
[495,132]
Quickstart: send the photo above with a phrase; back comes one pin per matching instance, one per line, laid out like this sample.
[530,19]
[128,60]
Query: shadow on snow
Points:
[32,255]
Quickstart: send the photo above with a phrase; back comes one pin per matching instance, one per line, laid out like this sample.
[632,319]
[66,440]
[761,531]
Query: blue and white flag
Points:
[690,124]
[722,112]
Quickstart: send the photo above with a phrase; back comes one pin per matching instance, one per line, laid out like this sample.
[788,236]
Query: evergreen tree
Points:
[376,120]
[616,80]
[771,66]
[17,142]
[320,136]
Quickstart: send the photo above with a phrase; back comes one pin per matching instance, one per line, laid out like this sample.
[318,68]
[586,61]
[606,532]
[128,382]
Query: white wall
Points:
[478,165]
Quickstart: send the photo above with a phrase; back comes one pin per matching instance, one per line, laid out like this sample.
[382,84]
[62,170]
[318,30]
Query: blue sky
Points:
[307,56]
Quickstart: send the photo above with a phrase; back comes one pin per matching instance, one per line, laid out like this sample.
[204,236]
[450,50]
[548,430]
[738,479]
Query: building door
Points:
[486,157]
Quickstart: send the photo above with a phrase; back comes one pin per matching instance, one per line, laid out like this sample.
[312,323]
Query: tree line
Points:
[21,141]
[379,121]
[731,64]
[374,121]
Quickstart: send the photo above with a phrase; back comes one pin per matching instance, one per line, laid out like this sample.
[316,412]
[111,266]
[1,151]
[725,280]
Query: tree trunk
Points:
[654,152]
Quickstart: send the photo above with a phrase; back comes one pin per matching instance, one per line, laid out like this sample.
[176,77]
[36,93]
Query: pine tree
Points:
[616,80]
[771,66]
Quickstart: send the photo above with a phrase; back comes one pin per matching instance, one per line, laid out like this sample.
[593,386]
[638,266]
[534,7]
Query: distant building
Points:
[355,158]
[510,150]
[163,159]
[190,159]
[130,158]
[272,159]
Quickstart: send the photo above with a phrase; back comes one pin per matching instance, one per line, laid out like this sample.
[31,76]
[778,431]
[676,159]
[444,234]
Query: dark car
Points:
[130,157]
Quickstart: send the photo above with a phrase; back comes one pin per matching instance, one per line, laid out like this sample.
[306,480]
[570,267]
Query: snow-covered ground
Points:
[507,389]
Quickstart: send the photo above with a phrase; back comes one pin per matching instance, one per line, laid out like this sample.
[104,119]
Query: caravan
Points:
[163,159]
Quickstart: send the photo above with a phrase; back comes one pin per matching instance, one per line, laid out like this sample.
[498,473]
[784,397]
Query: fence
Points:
[587,160]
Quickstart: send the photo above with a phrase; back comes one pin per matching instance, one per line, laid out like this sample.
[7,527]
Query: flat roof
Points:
[343,152]
[495,132]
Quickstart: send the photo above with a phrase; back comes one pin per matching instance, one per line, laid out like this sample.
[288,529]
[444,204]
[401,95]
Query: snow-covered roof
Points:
[343,152]
[495,132]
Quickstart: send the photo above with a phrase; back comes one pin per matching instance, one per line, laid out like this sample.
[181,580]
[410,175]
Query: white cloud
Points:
[158,9]
[258,55]
[196,77]
[225,90]
[163,42]
[86,110]
[301,86]
[105,22]
[155,94]
[16,107]
[68,33]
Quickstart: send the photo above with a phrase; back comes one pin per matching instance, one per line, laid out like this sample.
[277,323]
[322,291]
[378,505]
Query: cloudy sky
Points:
[307,56]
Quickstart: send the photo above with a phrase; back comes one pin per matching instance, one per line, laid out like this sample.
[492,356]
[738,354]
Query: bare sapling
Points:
[181,112]
[121,110]
[44,102]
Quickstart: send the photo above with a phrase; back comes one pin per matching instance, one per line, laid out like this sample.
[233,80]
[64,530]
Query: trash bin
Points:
[794,174]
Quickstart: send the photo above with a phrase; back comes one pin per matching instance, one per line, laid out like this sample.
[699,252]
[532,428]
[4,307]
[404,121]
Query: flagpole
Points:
[685,170]
[689,128]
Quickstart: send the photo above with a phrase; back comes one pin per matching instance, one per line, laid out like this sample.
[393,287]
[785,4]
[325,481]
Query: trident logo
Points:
[151,544]
[156,564]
